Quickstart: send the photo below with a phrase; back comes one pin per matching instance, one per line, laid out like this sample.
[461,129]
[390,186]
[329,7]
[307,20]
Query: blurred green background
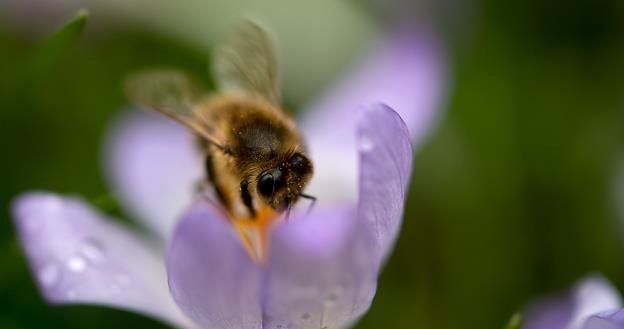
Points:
[513,196]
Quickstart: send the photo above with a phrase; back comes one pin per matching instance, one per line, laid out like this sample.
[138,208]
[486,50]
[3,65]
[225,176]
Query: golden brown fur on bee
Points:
[256,137]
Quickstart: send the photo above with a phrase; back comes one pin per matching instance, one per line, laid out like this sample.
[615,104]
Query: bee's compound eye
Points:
[299,165]
[298,160]
[266,184]
[270,181]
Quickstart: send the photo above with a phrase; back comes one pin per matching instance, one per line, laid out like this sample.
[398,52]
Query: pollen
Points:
[254,233]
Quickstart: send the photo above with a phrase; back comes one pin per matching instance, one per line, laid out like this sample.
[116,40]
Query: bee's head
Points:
[281,186]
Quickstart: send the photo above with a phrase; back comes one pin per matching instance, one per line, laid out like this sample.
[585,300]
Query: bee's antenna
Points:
[311,198]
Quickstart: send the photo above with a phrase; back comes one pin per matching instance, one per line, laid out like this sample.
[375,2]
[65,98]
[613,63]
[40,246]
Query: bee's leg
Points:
[244,188]
[211,176]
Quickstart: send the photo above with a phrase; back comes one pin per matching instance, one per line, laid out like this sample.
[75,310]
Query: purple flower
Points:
[322,268]
[592,304]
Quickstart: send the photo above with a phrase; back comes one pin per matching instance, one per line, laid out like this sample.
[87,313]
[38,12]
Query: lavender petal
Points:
[153,166]
[385,169]
[78,256]
[606,320]
[211,277]
[590,296]
[321,274]
[323,267]
[407,71]
[549,313]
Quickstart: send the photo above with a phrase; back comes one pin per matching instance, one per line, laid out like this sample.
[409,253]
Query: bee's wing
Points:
[247,62]
[171,93]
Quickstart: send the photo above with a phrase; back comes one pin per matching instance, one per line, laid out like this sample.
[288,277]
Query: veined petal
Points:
[323,268]
[549,313]
[320,273]
[153,166]
[606,320]
[385,171]
[408,72]
[211,276]
[591,296]
[80,257]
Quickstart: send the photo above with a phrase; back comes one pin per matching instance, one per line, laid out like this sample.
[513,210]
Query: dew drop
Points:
[366,144]
[49,275]
[76,264]
[93,250]
[305,316]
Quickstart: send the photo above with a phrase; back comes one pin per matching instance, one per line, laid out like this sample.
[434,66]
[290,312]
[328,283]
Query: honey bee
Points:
[255,157]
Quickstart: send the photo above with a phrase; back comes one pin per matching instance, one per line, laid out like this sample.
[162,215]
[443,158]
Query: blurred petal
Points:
[591,296]
[606,320]
[323,268]
[549,313]
[153,166]
[385,170]
[80,257]
[408,72]
[211,276]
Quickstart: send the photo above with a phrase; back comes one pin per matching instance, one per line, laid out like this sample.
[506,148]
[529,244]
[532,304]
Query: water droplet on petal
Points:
[93,250]
[305,316]
[49,275]
[76,264]
[366,144]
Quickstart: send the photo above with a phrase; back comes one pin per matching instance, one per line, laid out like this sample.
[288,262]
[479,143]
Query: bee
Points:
[255,157]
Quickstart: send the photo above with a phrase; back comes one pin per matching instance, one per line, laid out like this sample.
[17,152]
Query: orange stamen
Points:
[254,233]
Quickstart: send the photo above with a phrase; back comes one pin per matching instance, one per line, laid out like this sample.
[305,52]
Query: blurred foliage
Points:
[514,323]
[510,196]
[51,50]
